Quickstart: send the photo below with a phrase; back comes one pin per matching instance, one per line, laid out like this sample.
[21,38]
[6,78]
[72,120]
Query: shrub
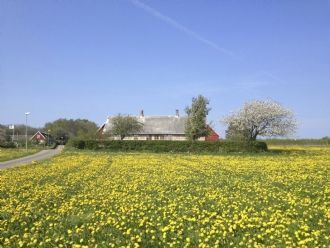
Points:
[7,144]
[169,146]
[77,143]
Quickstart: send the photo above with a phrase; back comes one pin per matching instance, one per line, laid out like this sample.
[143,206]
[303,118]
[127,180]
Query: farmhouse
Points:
[41,137]
[171,127]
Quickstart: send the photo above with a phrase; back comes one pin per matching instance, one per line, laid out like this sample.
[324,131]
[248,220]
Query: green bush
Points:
[169,146]
[7,144]
[77,143]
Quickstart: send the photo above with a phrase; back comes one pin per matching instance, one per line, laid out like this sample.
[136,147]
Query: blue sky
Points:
[91,59]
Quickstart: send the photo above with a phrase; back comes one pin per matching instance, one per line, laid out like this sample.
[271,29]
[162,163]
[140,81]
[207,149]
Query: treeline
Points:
[60,130]
[6,133]
[63,129]
[12,138]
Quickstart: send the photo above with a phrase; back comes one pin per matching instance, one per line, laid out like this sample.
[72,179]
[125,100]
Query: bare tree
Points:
[263,118]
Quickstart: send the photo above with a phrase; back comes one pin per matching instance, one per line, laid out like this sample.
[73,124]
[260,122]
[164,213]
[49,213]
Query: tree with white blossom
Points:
[261,118]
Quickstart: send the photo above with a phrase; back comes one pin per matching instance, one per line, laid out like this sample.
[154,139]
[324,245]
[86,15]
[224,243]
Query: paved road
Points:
[34,157]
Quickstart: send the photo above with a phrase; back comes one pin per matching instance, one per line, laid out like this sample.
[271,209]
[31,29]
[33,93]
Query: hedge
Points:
[168,146]
[306,142]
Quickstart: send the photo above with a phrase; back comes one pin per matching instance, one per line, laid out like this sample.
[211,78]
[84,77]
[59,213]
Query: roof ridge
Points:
[160,116]
[110,116]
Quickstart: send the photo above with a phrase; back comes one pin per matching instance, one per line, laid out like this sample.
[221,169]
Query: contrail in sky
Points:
[180,27]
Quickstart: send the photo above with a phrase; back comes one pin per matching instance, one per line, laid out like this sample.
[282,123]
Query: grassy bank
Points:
[12,153]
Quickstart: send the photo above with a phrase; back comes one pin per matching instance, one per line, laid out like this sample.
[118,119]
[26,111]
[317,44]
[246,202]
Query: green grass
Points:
[13,153]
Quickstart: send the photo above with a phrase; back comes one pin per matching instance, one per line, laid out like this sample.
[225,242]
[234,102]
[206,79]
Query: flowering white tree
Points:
[264,118]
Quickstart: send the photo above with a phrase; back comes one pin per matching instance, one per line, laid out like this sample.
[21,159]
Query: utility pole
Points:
[26,116]
[13,128]
[48,137]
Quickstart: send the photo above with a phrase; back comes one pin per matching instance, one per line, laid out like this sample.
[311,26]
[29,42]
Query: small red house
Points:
[213,136]
[41,137]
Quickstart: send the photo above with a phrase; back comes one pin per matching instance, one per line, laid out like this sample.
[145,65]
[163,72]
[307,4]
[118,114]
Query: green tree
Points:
[6,134]
[20,130]
[196,126]
[125,125]
[63,129]
[2,134]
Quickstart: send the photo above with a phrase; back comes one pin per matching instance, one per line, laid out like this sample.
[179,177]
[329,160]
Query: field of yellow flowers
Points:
[89,199]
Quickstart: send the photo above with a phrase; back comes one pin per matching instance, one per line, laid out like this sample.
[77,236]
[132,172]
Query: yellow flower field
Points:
[89,199]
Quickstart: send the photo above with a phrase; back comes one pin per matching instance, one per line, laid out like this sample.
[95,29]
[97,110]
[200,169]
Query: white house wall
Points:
[152,137]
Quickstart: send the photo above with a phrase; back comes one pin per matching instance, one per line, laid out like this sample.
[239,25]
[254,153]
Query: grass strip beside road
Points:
[13,153]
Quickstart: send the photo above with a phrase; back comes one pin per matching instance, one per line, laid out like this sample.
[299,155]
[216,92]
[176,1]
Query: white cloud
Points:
[181,27]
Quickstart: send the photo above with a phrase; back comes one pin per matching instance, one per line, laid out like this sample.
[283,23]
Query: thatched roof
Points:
[170,125]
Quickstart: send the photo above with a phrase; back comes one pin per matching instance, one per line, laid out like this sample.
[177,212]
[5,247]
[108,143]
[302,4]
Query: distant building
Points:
[170,127]
[41,137]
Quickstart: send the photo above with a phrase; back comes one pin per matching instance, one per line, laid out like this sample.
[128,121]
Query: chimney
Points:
[177,113]
[141,113]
